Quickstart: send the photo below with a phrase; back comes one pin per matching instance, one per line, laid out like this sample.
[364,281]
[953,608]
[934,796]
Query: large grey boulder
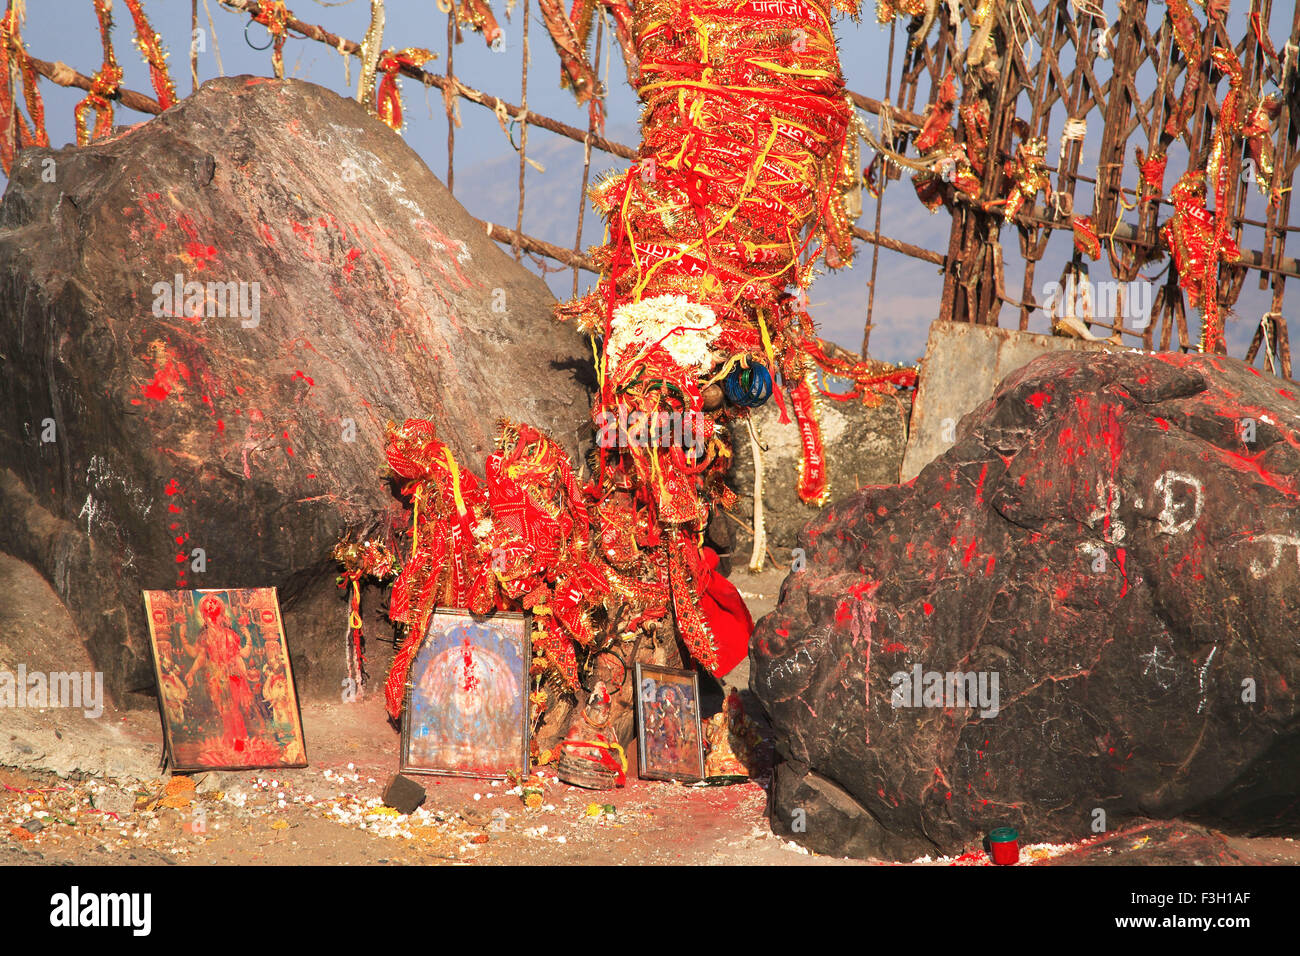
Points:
[1087,611]
[337,284]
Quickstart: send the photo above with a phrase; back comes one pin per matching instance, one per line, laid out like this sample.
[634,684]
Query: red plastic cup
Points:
[1004,846]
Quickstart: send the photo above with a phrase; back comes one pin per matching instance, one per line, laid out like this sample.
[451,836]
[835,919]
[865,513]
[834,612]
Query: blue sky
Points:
[908,290]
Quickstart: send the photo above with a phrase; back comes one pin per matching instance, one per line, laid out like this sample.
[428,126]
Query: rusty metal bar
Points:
[65,75]
[321,35]
[343,45]
[528,243]
[897,245]
[900,117]
[448,106]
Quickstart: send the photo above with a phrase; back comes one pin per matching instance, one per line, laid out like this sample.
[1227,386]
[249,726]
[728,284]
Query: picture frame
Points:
[226,691]
[670,738]
[466,707]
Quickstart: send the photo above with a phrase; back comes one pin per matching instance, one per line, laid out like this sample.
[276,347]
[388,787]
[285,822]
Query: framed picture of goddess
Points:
[225,683]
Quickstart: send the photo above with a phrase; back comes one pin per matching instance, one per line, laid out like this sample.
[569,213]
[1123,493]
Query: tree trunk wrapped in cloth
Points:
[738,193]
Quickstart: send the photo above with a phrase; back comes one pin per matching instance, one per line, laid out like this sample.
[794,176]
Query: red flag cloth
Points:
[726,612]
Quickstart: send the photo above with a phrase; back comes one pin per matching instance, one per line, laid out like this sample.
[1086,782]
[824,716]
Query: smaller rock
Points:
[33,825]
[403,794]
[214,782]
[864,446]
[474,816]
[115,800]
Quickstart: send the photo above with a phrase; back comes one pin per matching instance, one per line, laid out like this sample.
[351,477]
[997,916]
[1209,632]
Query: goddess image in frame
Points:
[670,742]
[225,684]
[466,706]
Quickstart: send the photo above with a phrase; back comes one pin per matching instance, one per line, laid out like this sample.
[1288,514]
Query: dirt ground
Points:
[330,813]
[82,791]
[78,790]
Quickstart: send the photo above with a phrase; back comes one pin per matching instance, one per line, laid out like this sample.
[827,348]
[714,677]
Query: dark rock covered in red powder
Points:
[328,282]
[1085,612]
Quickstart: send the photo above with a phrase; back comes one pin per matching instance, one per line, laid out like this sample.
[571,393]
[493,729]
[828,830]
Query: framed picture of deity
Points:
[669,741]
[466,712]
[225,683]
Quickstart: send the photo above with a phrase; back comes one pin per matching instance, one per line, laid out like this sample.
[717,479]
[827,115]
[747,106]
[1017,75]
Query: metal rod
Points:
[194,46]
[451,117]
[65,75]
[523,135]
[540,246]
[880,200]
[898,245]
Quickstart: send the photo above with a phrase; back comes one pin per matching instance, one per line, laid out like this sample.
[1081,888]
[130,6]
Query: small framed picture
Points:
[466,712]
[669,741]
[225,684]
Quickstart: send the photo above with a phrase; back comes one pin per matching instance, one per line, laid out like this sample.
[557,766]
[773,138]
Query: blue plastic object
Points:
[750,387]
